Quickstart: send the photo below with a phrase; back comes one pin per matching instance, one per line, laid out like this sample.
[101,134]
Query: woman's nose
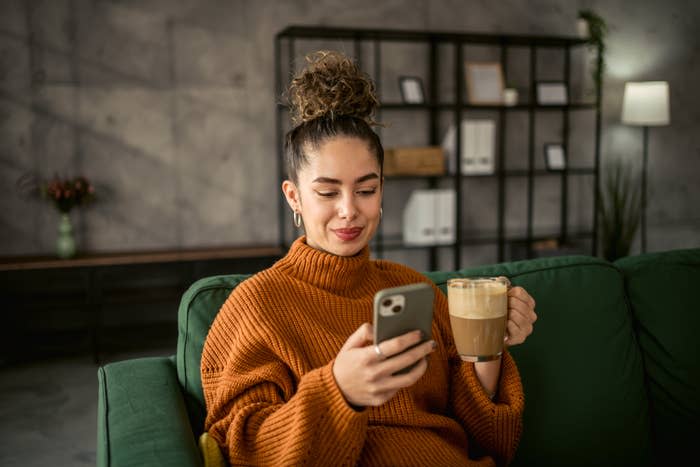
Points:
[347,208]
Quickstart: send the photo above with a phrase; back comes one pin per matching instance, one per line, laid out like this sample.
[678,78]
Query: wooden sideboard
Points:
[94,302]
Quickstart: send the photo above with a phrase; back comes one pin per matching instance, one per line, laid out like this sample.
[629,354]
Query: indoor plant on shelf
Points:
[619,209]
[65,194]
[597,31]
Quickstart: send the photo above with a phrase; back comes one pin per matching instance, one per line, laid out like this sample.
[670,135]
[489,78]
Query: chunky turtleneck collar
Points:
[344,275]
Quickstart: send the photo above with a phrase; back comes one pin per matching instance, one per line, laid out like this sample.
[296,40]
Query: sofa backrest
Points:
[581,368]
[663,289]
[198,308]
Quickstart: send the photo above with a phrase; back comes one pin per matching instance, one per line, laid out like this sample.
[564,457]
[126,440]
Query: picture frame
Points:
[411,88]
[552,93]
[555,157]
[484,83]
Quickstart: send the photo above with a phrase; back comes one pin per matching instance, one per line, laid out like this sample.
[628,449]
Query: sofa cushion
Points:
[662,290]
[581,368]
[198,308]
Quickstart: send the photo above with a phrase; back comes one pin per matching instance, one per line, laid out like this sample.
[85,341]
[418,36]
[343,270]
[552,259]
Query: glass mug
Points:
[478,315]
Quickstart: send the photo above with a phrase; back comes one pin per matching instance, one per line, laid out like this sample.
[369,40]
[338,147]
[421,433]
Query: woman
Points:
[289,370]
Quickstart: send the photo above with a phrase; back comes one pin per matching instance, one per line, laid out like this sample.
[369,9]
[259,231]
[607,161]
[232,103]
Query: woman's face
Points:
[339,196]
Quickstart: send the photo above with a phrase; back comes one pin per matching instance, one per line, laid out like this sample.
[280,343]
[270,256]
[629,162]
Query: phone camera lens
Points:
[396,308]
[387,302]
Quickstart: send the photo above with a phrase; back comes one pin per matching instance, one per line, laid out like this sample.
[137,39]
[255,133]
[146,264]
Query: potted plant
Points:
[597,32]
[64,194]
[619,209]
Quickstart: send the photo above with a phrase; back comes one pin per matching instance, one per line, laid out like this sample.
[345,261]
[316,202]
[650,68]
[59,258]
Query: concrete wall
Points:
[169,108]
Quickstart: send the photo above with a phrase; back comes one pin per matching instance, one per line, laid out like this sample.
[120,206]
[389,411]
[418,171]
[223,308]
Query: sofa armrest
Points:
[141,416]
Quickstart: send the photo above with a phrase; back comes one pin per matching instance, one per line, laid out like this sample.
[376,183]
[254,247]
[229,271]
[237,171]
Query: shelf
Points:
[367,47]
[100,259]
[389,245]
[519,107]
[572,171]
[398,35]
[415,177]
[448,106]
[507,173]
[536,172]
[581,235]
[395,242]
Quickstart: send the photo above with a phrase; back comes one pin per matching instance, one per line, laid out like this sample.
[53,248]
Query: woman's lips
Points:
[348,234]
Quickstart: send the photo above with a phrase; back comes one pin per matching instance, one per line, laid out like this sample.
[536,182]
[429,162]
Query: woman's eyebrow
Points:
[335,181]
[369,176]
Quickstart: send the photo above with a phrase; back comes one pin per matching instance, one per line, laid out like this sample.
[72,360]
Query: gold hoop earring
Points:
[297,219]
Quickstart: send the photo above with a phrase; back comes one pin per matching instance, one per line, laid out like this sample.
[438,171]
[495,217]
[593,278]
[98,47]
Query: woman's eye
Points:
[368,192]
[326,194]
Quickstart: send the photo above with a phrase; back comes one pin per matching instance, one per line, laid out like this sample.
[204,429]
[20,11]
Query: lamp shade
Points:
[646,103]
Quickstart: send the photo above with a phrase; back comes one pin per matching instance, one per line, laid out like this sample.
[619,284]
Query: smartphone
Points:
[403,309]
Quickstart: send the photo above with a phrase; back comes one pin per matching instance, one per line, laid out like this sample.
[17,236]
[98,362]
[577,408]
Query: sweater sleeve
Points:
[260,414]
[494,426]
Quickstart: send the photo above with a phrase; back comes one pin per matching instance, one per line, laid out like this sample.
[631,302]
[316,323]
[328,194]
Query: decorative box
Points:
[429,160]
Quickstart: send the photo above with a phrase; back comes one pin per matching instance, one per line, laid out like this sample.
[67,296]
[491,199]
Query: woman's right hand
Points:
[366,378]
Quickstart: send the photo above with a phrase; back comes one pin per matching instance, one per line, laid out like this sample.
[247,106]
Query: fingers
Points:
[360,338]
[383,388]
[409,378]
[516,334]
[391,347]
[521,316]
[518,294]
[521,313]
[522,303]
[405,359]
[365,378]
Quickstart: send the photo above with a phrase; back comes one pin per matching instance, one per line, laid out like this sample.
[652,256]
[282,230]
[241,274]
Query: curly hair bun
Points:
[332,85]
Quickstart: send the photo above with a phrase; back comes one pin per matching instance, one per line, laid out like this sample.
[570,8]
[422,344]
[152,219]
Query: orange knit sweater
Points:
[272,399]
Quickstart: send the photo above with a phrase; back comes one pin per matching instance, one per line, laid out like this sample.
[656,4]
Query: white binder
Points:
[429,218]
[478,147]
[446,215]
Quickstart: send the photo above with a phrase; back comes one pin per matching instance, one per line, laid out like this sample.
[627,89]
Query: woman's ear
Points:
[291,193]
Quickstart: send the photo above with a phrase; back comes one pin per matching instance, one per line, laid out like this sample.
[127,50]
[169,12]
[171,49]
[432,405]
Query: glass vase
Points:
[65,244]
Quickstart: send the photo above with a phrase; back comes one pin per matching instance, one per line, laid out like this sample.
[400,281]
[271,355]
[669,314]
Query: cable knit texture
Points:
[272,399]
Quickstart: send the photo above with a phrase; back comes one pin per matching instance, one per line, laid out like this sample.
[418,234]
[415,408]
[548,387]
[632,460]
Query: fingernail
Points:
[433,344]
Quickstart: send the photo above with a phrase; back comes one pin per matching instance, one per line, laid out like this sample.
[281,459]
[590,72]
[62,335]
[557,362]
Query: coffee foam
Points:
[489,300]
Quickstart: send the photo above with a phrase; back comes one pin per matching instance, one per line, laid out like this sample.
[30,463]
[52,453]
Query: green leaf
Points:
[619,210]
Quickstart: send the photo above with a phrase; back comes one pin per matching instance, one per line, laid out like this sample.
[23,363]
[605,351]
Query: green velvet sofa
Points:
[611,373]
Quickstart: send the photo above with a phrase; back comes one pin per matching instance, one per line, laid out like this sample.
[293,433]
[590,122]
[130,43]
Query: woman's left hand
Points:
[521,316]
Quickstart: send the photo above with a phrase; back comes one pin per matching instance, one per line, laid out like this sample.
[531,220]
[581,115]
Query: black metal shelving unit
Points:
[286,43]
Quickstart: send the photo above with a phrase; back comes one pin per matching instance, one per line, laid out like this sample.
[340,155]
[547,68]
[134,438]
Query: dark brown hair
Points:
[330,97]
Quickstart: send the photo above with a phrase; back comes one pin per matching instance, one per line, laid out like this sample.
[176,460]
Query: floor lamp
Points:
[645,104]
